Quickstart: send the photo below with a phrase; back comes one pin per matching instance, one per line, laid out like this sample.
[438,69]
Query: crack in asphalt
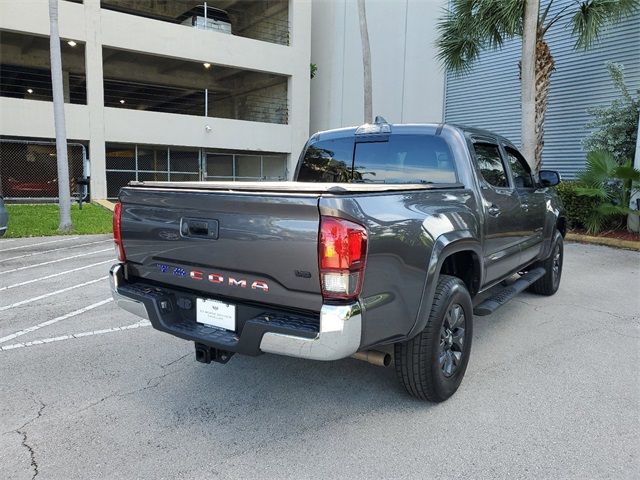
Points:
[21,431]
[32,454]
[157,378]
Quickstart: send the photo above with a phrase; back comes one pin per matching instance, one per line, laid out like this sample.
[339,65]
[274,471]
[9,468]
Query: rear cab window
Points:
[328,161]
[390,159]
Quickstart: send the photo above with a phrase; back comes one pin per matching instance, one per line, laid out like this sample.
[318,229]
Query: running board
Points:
[494,302]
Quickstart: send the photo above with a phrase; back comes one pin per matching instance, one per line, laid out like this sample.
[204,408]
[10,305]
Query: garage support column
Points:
[299,83]
[95,98]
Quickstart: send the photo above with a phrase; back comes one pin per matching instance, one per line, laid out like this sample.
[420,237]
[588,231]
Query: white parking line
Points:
[39,243]
[8,240]
[35,299]
[56,261]
[27,282]
[55,320]
[141,323]
[53,250]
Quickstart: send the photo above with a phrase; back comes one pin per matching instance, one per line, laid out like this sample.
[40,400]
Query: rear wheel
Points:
[432,364]
[549,283]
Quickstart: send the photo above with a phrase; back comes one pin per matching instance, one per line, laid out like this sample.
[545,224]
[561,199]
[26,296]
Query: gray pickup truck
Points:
[388,241]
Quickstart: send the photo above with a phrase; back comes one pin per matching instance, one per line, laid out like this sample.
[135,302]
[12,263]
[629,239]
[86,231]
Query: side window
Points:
[521,172]
[490,164]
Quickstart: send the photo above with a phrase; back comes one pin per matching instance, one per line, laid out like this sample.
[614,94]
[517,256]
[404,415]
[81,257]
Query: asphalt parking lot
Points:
[87,390]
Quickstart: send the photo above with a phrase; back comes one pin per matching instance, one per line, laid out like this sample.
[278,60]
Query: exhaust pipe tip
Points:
[374,357]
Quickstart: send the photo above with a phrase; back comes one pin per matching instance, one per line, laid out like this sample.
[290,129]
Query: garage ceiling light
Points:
[206,65]
[71,43]
[122,100]
[29,90]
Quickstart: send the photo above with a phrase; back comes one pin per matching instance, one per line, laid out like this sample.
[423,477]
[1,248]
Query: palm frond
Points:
[459,42]
[593,15]
[627,172]
[543,17]
[601,166]
[592,192]
[470,26]
[608,209]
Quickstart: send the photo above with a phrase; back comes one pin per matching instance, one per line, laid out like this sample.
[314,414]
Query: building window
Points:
[245,167]
[126,163]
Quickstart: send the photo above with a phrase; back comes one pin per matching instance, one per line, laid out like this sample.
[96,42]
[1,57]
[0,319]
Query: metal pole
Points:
[633,222]
[206,102]
[233,167]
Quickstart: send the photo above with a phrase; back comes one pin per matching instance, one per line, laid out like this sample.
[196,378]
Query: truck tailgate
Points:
[247,246]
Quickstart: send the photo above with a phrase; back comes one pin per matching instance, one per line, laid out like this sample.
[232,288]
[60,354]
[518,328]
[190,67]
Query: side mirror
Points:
[549,178]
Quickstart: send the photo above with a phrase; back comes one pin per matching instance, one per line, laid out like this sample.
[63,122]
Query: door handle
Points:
[494,211]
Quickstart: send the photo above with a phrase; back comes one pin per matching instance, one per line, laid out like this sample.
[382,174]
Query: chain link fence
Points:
[29,170]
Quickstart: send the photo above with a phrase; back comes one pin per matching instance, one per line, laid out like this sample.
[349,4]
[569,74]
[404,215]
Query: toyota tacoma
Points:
[384,247]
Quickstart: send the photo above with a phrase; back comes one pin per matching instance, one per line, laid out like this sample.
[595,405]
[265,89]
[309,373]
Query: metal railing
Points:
[35,84]
[29,171]
[200,102]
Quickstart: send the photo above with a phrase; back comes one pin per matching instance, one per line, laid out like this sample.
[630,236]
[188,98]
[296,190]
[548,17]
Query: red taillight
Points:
[342,253]
[117,232]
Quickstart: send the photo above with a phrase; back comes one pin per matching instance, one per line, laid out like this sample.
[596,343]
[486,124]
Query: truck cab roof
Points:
[413,128]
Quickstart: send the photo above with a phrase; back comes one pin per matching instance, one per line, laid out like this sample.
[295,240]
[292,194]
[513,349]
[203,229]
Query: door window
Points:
[490,164]
[519,168]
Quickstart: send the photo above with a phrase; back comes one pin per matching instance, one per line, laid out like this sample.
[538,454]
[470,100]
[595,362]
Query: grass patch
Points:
[42,220]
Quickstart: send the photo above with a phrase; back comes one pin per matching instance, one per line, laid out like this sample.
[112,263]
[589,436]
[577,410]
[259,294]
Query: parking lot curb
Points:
[106,204]
[609,242]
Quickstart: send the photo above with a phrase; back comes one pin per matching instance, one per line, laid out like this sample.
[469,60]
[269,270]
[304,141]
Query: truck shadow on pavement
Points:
[273,395]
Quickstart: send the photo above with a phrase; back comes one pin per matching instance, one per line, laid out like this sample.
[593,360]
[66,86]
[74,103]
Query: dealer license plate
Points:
[216,314]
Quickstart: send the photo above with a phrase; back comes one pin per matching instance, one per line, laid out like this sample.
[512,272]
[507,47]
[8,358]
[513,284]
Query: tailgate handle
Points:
[193,227]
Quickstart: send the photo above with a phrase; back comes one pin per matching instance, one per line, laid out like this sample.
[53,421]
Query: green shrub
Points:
[611,184]
[615,125]
[578,209]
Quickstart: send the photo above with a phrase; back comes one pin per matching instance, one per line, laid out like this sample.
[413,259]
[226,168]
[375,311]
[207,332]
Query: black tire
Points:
[549,283]
[422,362]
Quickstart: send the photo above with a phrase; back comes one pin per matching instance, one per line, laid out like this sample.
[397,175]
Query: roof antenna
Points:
[380,119]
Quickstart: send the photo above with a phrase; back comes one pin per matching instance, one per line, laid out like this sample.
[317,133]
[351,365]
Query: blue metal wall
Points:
[489,96]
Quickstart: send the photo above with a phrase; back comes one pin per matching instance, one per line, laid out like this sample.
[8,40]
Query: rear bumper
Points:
[334,335]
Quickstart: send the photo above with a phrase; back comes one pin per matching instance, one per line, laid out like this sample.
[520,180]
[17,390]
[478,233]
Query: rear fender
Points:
[444,246]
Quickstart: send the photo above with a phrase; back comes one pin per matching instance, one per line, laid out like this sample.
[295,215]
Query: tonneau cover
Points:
[299,187]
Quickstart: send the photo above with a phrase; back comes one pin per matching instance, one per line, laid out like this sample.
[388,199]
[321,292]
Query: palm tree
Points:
[64,193]
[471,26]
[366,62]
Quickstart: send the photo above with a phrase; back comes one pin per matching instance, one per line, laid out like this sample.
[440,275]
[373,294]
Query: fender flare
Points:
[444,246]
